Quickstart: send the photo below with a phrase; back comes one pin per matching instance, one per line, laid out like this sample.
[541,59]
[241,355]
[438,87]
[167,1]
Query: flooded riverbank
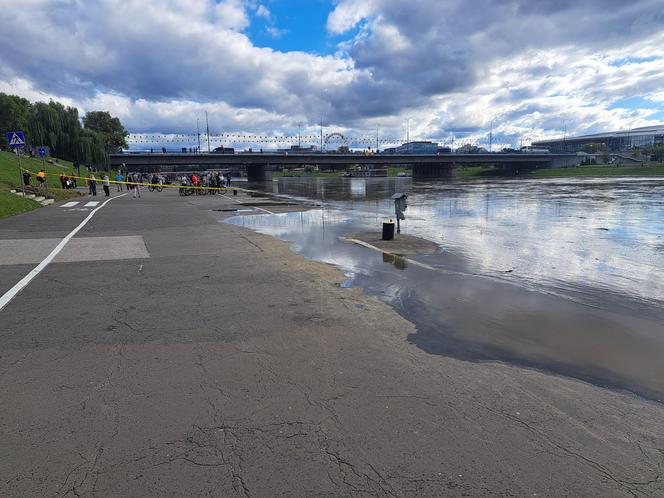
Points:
[560,275]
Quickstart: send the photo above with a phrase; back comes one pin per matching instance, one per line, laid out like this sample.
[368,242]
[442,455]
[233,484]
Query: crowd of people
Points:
[207,179]
[134,181]
[67,182]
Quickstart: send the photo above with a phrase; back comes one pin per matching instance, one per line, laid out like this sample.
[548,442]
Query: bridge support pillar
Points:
[433,171]
[259,173]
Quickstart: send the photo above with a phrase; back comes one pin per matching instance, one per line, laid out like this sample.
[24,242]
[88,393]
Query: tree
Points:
[59,128]
[656,152]
[594,148]
[14,115]
[111,128]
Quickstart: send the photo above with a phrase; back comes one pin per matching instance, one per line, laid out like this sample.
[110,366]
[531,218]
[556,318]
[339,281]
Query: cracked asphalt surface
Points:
[226,365]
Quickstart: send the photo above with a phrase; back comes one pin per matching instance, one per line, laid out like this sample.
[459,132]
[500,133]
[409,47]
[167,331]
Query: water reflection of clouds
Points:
[549,236]
[600,233]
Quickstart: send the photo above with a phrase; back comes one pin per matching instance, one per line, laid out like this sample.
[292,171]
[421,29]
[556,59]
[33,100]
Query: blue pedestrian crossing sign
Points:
[16,139]
[41,151]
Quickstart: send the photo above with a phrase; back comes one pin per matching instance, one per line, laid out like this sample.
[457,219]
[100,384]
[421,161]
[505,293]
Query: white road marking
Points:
[378,249]
[11,293]
[91,204]
[261,209]
[69,204]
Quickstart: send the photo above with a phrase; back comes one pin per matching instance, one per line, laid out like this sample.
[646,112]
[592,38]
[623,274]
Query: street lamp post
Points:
[198,134]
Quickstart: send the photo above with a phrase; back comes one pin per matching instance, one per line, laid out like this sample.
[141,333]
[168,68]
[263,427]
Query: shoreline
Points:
[553,358]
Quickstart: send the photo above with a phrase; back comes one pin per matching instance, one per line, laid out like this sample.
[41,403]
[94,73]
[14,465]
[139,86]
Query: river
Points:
[564,275]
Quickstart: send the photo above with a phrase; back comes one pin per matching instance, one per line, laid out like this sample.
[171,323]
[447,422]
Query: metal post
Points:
[198,134]
[207,125]
[398,225]
[20,173]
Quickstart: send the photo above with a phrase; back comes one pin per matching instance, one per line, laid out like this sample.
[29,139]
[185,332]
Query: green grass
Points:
[468,172]
[11,204]
[651,169]
[313,174]
[9,174]
[598,171]
[396,171]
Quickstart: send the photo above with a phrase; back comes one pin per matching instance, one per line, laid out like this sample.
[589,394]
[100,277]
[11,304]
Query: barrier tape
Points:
[163,185]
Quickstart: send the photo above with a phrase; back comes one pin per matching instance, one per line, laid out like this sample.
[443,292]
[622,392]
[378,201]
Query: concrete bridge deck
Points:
[260,164]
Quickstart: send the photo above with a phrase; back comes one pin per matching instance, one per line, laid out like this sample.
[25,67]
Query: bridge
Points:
[260,165]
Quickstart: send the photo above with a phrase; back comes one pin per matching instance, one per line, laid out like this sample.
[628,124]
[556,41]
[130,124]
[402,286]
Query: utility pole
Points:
[408,131]
[299,132]
[198,134]
[491,137]
[376,140]
[207,126]
[321,134]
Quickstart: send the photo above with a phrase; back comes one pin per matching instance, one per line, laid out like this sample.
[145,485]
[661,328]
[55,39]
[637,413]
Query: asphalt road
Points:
[166,353]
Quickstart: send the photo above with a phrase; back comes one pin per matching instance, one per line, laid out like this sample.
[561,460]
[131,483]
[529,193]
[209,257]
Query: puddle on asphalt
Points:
[562,276]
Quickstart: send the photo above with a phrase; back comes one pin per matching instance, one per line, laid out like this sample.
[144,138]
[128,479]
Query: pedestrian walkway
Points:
[72,204]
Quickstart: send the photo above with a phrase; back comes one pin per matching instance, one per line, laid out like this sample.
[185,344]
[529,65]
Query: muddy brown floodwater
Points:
[566,276]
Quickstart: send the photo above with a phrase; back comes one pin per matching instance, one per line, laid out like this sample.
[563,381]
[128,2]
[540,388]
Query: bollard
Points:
[388,230]
[234,191]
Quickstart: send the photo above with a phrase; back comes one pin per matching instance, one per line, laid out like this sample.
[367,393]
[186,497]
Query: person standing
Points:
[118,179]
[92,184]
[137,187]
[106,185]
[41,177]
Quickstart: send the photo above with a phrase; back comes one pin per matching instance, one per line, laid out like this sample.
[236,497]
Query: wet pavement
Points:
[560,275]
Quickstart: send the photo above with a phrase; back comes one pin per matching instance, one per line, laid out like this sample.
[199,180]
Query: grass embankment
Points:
[311,174]
[651,169]
[602,170]
[11,204]
[333,174]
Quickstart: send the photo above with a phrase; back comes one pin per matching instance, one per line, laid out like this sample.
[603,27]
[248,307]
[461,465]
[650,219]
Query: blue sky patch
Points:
[636,102]
[295,25]
[624,61]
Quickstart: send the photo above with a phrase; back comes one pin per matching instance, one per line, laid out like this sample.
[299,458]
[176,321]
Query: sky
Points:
[442,69]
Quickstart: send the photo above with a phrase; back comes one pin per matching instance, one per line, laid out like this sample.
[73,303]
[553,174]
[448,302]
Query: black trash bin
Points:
[26,178]
[388,230]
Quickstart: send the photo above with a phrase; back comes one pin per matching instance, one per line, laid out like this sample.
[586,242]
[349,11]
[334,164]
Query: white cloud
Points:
[230,14]
[443,64]
[264,12]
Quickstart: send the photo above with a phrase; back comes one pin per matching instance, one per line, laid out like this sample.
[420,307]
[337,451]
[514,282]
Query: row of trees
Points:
[60,128]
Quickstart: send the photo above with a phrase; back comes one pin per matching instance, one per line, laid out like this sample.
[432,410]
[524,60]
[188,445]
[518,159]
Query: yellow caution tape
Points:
[139,183]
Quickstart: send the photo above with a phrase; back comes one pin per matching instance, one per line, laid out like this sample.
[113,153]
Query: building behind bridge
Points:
[423,147]
[615,141]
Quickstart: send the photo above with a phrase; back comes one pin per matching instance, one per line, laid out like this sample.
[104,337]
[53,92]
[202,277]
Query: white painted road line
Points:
[11,293]
[70,204]
[261,209]
[91,204]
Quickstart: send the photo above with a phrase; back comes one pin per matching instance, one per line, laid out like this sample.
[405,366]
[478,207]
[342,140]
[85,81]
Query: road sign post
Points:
[16,141]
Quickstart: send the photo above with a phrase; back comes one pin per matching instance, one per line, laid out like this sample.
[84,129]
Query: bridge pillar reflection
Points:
[259,173]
